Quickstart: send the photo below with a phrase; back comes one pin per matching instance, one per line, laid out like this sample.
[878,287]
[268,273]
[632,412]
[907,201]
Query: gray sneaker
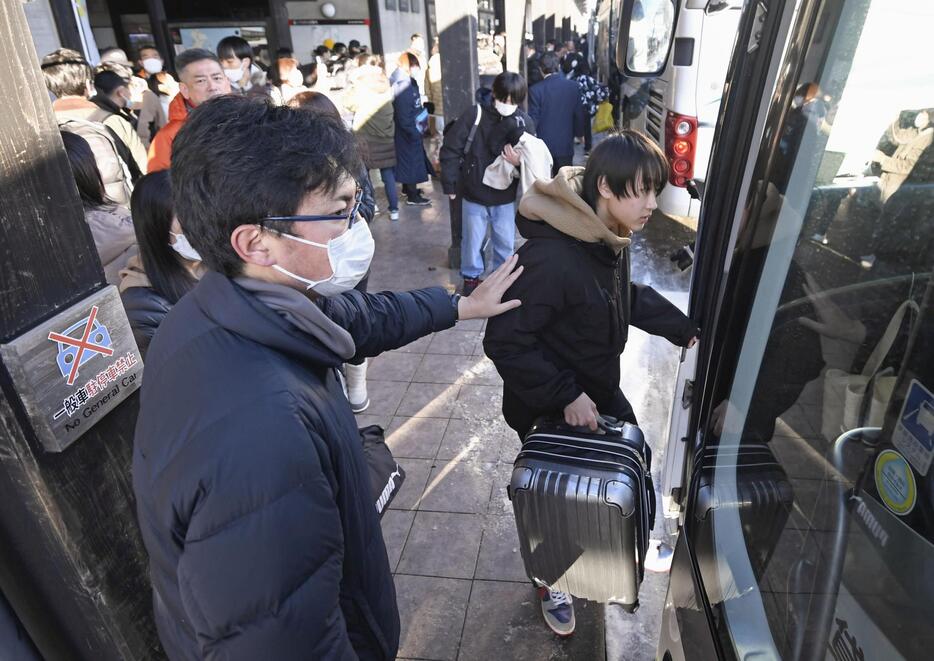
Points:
[558,609]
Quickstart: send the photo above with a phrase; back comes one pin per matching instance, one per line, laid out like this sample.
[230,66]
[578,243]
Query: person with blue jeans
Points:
[388,175]
[471,144]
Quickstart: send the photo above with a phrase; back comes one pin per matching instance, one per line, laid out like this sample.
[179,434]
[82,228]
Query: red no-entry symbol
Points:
[82,345]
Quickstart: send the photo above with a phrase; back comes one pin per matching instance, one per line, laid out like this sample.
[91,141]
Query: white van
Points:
[670,79]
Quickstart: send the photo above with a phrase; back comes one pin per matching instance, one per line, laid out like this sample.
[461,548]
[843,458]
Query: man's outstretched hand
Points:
[487,300]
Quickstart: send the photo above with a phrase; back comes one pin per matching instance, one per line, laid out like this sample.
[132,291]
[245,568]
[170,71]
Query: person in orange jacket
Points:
[201,77]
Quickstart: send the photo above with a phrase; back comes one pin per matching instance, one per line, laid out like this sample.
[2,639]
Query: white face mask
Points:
[152,65]
[505,109]
[234,75]
[296,78]
[350,255]
[183,248]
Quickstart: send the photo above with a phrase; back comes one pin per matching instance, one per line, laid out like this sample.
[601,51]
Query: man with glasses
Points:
[200,77]
[252,487]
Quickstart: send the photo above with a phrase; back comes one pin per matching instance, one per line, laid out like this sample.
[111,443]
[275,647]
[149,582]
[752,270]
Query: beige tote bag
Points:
[845,394]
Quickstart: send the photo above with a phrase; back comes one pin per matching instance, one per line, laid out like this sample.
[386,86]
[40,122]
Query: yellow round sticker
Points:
[895,482]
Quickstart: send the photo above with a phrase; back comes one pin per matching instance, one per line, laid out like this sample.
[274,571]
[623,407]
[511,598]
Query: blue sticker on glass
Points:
[895,482]
[914,432]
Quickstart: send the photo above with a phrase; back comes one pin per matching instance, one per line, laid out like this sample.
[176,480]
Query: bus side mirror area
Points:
[646,34]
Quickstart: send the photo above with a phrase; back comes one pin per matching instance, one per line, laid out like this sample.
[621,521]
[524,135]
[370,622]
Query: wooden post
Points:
[64,14]
[551,20]
[537,13]
[281,34]
[158,23]
[376,35]
[72,562]
[515,35]
[457,30]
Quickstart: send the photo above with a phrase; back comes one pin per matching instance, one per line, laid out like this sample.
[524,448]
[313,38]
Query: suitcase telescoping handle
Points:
[607,424]
[610,424]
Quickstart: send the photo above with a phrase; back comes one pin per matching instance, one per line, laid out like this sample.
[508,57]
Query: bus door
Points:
[807,500]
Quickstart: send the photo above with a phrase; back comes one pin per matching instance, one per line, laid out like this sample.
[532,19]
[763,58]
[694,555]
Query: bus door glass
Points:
[812,505]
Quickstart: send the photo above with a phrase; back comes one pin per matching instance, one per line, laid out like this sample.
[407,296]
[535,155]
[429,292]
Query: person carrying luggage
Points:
[558,354]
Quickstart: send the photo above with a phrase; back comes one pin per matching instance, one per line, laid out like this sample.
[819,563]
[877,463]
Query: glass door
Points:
[811,509]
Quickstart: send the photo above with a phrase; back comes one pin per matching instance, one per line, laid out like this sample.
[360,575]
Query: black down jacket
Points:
[145,310]
[253,490]
[462,172]
[568,335]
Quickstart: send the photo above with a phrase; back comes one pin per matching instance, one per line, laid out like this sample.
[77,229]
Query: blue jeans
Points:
[388,176]
[502,219]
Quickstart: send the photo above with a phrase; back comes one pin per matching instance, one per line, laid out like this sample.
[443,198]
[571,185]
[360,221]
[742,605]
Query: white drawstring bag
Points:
[845,405]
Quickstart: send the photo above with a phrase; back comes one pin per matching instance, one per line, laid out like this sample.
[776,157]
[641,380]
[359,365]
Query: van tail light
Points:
[680,147]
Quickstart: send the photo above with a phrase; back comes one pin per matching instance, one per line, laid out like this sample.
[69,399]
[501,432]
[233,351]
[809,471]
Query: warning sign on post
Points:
[72,370]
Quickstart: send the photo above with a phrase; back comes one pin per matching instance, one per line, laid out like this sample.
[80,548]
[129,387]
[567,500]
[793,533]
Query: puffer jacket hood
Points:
[558,202]
[134,275]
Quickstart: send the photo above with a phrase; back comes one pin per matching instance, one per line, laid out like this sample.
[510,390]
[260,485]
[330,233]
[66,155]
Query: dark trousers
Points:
[410,190]
[560,162]
[588,133]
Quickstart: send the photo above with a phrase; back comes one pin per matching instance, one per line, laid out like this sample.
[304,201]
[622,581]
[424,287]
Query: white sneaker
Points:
[393,214]
[558,609]
[356,387]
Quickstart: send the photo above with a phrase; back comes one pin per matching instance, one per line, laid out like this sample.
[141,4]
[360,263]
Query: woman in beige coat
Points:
[369,98]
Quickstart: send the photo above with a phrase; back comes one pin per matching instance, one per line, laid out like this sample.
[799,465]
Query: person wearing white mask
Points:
[248,467]
[471,145]
[236,57]
[287,80]
[143,102]
[165,269]
[160,82]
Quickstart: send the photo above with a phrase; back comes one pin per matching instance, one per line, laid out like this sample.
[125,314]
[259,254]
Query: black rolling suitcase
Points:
[584,505]
[752,482]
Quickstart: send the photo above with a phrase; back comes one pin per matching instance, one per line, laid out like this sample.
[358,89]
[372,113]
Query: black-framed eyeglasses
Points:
[351,217]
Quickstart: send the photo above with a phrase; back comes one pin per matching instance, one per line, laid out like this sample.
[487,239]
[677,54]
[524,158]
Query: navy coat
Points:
[252,489]
[555,107]
[412,166]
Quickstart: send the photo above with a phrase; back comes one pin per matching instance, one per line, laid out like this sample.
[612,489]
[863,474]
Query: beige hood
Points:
[133,275]
[558,202]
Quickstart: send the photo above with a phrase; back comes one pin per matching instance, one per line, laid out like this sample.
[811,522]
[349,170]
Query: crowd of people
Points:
[231,206]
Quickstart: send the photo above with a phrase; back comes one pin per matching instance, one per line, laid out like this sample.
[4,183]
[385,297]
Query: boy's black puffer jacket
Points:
[577,305]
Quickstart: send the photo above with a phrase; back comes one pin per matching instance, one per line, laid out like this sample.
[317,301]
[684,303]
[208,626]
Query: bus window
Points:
[813,497]
[650,30]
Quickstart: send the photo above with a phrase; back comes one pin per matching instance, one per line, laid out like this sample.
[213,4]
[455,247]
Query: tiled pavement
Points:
[450,534]
[451,537]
